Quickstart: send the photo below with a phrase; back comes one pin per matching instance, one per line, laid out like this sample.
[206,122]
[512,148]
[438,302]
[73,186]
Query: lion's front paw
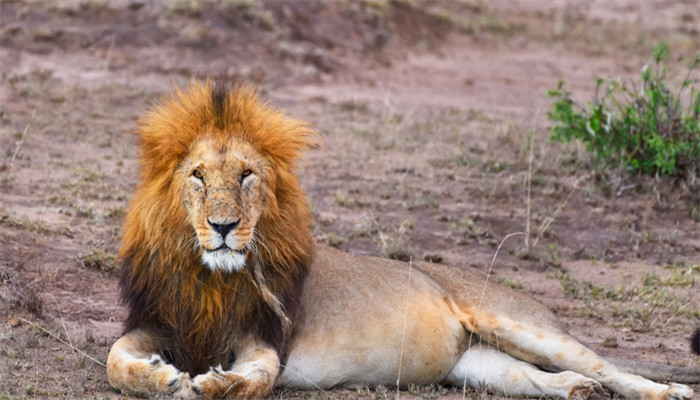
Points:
[186,389]
[677,391]
[218,383]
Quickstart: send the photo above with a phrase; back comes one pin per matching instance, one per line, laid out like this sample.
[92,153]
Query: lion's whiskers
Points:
[193,241]
[259,238]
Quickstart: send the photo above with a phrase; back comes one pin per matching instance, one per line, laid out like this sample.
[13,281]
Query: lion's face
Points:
[224,190]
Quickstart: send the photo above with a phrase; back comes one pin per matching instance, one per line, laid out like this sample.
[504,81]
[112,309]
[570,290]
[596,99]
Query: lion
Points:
[228,296]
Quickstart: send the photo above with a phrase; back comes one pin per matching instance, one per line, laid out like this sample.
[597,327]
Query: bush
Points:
[655,130]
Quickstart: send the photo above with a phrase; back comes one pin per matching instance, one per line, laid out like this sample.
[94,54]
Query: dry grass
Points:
[19,295]
[650,302]
[98,259]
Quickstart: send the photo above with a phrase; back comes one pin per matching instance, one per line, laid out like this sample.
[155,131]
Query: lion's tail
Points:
[664,372]
[695,341]
[658,371]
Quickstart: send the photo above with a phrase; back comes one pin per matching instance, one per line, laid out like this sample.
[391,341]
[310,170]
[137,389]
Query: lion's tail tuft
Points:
[695,341]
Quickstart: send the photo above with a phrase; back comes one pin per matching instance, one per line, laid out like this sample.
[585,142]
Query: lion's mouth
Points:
[224,248]
[224,258]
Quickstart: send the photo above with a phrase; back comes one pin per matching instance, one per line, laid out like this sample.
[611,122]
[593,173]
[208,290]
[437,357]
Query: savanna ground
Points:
[426,109]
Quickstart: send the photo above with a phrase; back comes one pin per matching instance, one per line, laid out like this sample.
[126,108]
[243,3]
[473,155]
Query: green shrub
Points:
[654,130]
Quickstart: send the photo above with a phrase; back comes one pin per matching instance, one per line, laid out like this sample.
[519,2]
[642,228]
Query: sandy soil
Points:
[425,109]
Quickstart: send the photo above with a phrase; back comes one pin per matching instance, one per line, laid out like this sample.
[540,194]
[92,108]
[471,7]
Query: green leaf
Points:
[655,131]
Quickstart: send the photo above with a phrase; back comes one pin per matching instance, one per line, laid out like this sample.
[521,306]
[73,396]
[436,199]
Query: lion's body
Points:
[353,322]
[227,296]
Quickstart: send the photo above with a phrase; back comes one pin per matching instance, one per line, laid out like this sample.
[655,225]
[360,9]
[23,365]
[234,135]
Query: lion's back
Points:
[360,281]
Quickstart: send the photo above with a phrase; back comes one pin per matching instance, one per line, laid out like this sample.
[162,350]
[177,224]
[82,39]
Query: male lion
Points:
[228,296]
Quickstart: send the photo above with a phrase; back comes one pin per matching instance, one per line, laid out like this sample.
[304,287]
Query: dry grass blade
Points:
[306,379]
[549,220]
[405,320]
[60,314]
[41,328]
[483,292]
[531,140]
[21,140]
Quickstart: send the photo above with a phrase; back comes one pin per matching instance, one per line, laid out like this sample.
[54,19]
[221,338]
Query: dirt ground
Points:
[426,109]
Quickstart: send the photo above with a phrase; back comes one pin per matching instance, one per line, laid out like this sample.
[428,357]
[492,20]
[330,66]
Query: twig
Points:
[21,140]
[625,188]
[62,341]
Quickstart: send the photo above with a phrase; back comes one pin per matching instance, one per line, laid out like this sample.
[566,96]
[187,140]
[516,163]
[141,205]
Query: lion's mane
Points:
[195,313]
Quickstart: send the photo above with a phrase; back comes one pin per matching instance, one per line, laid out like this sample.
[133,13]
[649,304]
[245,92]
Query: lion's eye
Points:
[245,173]
[197,174]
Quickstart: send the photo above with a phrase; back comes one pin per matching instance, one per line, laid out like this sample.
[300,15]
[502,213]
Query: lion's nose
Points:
[224,229]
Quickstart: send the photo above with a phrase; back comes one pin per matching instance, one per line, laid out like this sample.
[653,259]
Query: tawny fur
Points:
[232,312]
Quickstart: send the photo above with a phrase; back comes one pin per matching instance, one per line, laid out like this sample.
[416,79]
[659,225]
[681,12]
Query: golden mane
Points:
[193,311]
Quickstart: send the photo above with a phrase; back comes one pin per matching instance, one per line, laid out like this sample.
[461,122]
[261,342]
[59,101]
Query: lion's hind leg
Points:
[483,366]
[551,348]
[134,367]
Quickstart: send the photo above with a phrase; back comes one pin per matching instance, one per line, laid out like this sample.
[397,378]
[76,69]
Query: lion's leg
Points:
[134,366]
[483,366]
[552,348]
[252,375]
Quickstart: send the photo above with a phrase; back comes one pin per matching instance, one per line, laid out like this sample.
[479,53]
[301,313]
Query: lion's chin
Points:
[223,260]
